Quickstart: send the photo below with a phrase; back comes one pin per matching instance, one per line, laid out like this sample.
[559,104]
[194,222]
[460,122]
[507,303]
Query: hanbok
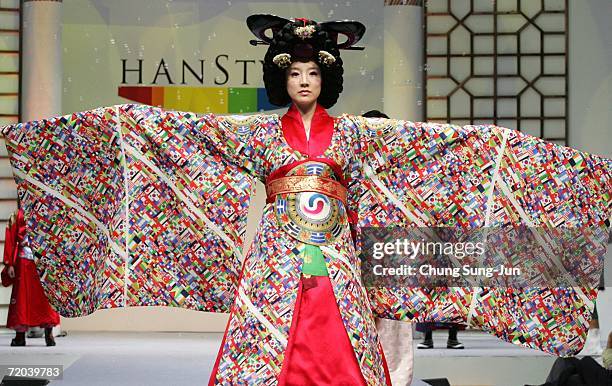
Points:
[28,305]
[136,206]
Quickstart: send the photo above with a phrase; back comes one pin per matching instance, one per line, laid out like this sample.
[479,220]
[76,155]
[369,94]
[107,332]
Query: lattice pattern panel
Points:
[500,61]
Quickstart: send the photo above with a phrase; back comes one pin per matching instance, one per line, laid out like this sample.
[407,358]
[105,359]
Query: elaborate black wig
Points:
[303,40]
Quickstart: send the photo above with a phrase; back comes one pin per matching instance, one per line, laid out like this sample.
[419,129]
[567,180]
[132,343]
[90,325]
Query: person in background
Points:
[428,328]
[607,354]
[29,306]
[592,345]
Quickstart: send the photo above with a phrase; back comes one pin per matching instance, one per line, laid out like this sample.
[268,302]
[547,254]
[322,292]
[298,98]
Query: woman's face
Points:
[304,83]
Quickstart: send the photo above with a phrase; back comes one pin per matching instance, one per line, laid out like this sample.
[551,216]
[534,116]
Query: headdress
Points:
[303,40]
[308,37]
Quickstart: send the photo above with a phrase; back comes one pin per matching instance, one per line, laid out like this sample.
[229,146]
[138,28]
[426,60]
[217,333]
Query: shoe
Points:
[49,337]
[17,343]
[454,344]
[426,344]
[18,340]
[49,341]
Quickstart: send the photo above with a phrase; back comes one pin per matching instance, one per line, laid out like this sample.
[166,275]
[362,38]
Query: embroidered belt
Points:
[297,184]
[309,203]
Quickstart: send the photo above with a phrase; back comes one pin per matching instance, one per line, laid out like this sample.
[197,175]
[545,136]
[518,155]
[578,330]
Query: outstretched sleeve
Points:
[471,177]
[136,206]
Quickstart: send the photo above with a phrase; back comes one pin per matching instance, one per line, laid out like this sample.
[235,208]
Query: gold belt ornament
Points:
[297,184]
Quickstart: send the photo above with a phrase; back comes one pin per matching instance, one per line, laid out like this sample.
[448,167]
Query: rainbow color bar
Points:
[218,100]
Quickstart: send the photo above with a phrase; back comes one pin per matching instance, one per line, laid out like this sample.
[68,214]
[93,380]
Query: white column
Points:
[41,67]
[403,61]
[41,71]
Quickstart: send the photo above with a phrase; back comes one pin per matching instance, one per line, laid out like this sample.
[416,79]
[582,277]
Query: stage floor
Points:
[127,358]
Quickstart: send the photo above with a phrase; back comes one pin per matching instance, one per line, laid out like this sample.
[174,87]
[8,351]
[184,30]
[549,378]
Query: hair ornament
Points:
[282,60]
[304,32]
[326,58]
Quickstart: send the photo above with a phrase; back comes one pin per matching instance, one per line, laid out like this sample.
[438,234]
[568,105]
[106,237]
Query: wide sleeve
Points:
[136,206]
[435,175]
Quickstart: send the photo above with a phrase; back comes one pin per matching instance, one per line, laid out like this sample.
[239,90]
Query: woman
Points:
[152,205]
[29,306]
[303,67]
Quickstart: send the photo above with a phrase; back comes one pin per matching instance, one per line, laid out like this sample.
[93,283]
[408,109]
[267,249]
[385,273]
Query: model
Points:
[133,205]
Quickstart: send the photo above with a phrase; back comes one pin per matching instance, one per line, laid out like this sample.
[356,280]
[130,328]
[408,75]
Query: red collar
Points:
[321,131]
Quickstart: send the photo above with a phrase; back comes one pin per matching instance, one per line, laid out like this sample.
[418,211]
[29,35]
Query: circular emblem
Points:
[311,217]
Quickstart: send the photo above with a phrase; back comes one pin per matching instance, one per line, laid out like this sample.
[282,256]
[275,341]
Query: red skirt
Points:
[319,351]
[29,306]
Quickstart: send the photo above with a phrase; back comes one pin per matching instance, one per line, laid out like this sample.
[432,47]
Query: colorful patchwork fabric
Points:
[476,176]
[127,206]
[132,205]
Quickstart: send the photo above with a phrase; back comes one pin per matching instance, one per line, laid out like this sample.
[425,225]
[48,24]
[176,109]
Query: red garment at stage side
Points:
[29,306]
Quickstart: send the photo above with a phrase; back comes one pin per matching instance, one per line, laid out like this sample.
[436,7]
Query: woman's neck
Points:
[307,112]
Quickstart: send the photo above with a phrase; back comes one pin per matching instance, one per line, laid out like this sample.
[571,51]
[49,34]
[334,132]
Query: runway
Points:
[157,358]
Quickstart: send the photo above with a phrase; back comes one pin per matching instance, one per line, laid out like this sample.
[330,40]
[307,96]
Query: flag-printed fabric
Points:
[473,177]
[133,205]
[128,207]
